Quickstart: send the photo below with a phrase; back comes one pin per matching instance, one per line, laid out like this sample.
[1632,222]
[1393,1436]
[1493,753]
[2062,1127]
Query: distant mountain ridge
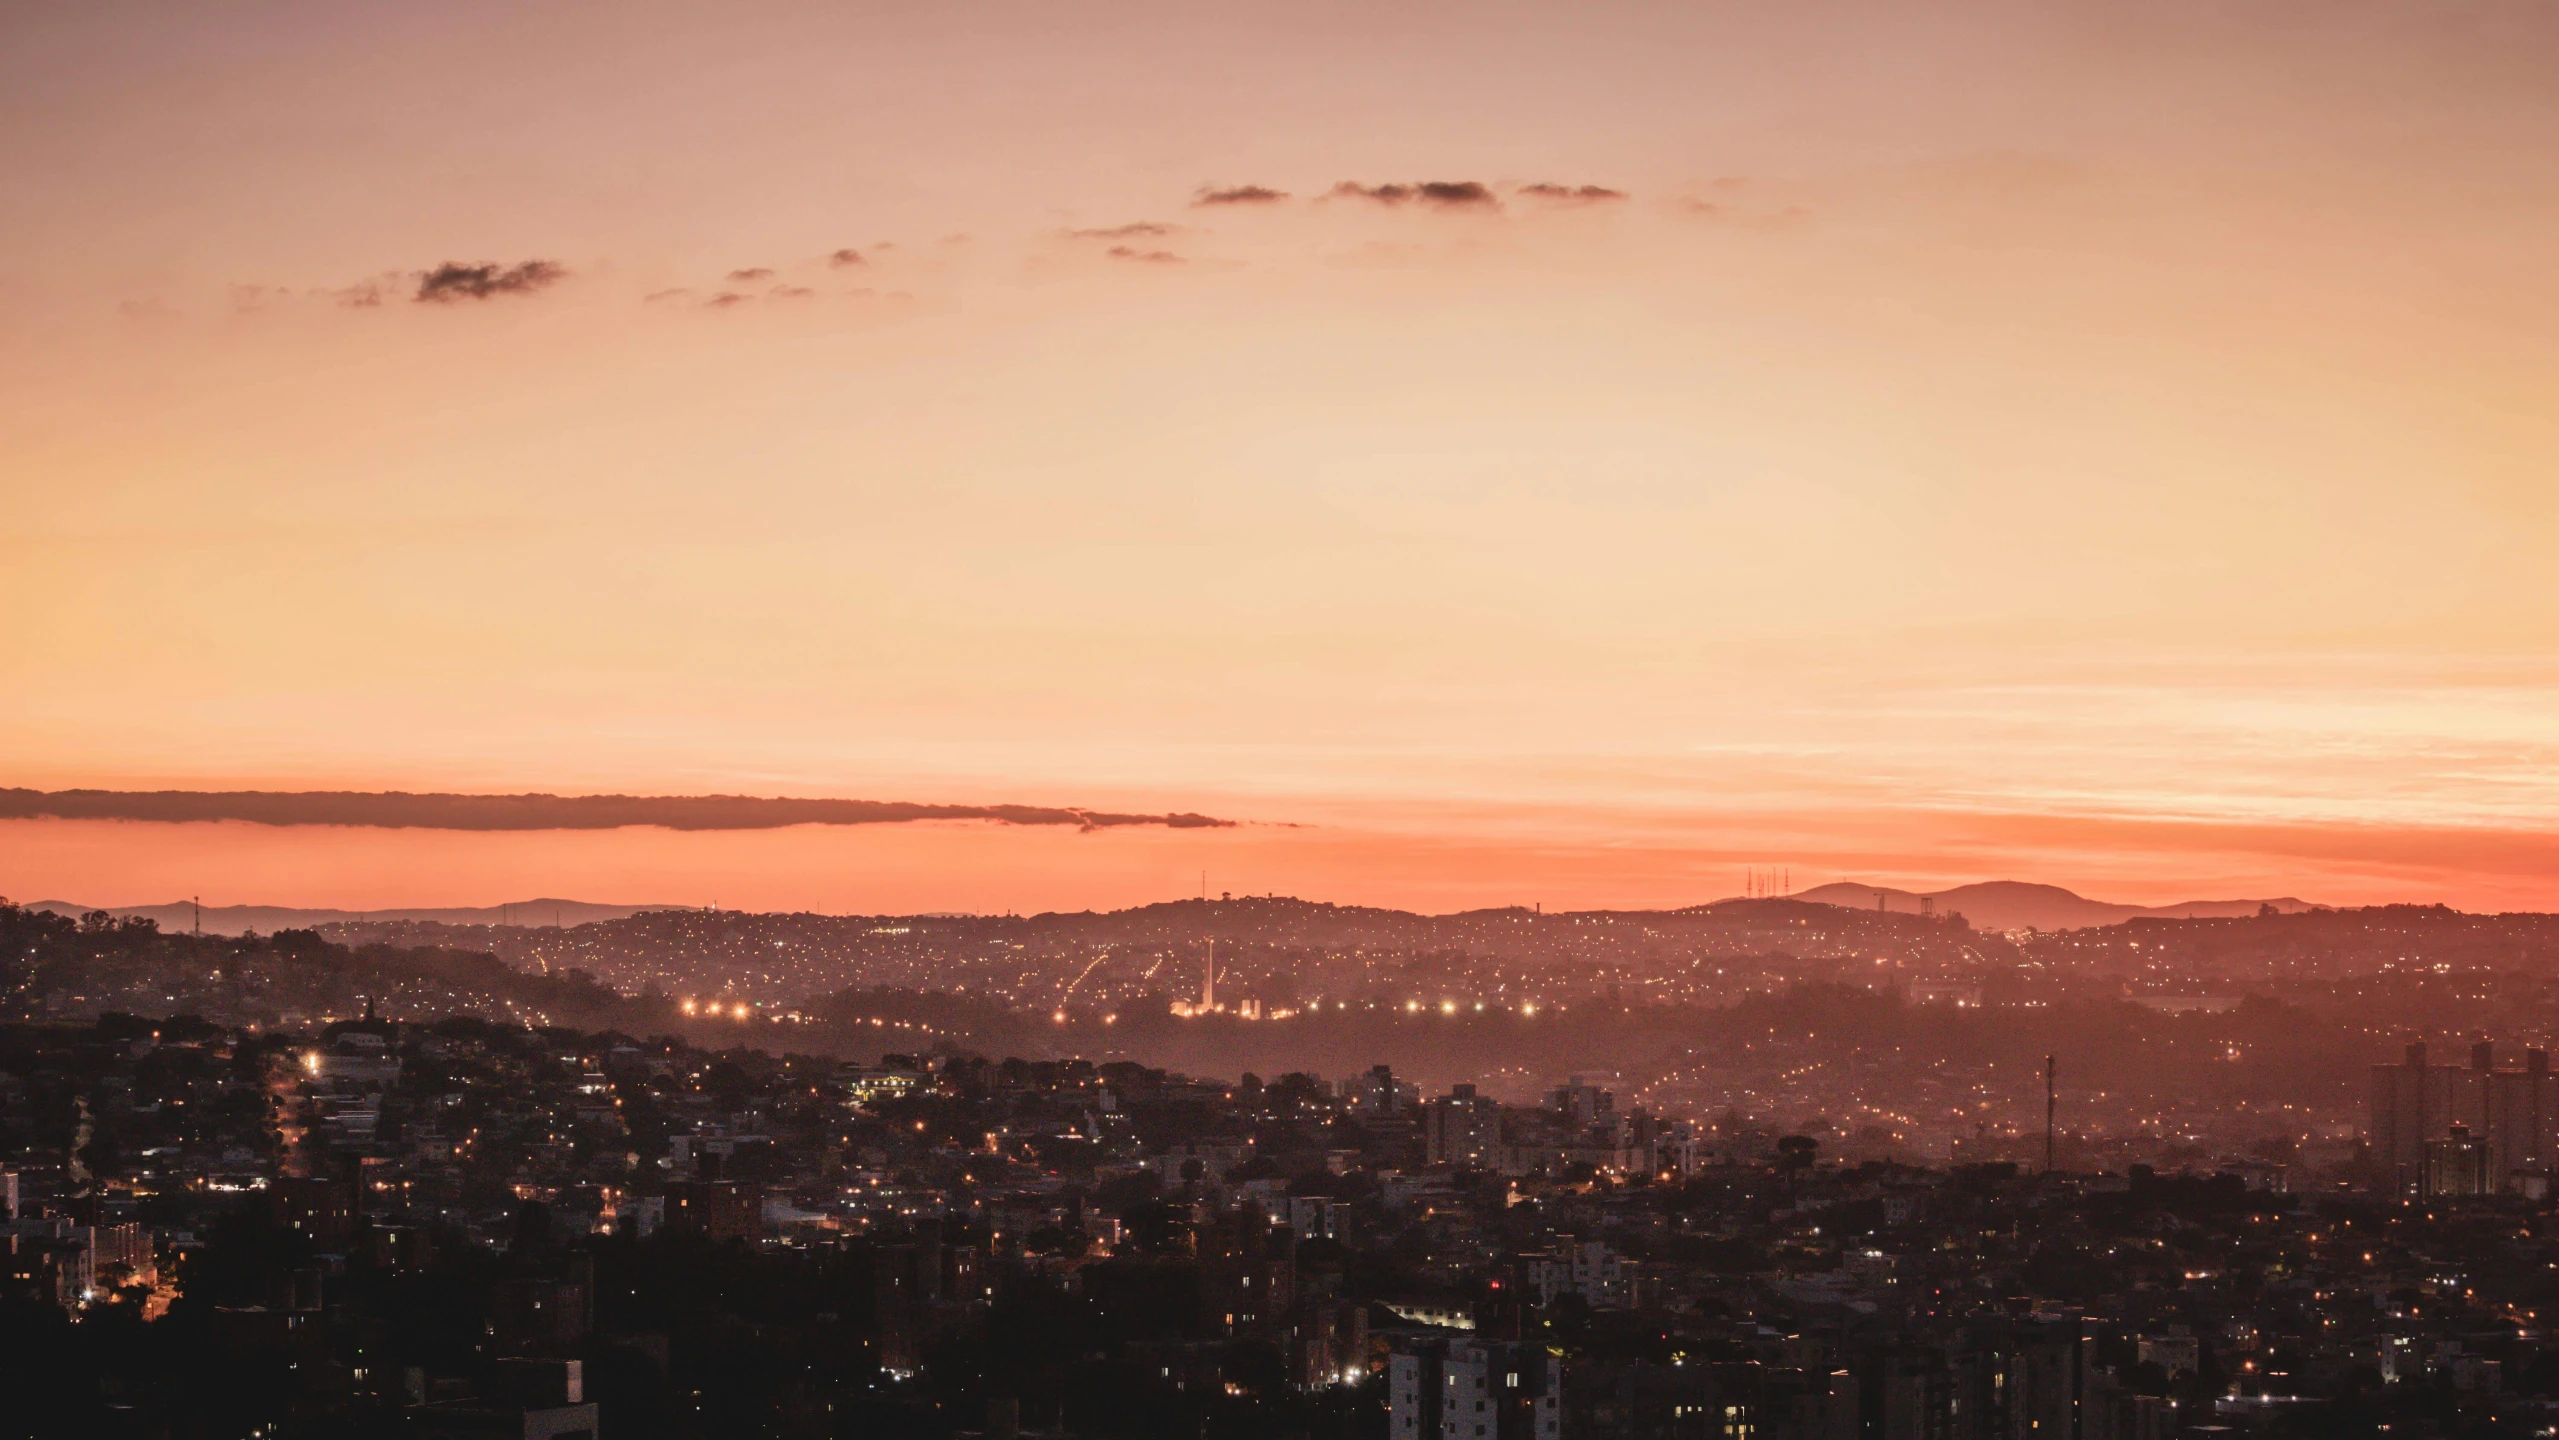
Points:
[267,919]
[1989,905]
[2021,905]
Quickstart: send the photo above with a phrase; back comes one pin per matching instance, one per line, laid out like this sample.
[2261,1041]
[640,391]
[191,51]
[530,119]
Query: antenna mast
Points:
[2048,1114]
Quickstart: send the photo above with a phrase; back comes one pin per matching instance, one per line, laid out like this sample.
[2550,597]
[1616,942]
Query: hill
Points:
[2018,905]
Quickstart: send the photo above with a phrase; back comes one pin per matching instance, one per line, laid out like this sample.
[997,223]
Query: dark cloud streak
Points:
[450,281]
[1238,195]
[397,810]
[1446,194]
[1572,194]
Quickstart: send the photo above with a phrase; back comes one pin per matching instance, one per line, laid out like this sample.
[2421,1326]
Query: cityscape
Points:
[1881,1178]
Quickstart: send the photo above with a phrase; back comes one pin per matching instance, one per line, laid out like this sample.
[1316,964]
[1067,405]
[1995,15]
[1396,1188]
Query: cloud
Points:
[1572,194]
[1382,194]
[1151,257]
[846,256]
[396,810]
[659,297]
[750,275]
[1791,217]
[1134,230]
[1238,195]
[792,292]
[450,281]
[725,299]
[1457,193]
[1447,194]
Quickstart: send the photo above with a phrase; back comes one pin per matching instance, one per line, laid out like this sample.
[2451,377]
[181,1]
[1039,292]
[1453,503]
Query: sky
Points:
[2109,444]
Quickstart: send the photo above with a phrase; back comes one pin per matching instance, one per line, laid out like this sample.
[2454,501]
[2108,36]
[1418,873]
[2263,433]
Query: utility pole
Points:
[199,917]
[2048,1114]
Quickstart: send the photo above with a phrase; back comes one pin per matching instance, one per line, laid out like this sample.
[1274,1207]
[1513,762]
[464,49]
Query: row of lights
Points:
[1411,1007]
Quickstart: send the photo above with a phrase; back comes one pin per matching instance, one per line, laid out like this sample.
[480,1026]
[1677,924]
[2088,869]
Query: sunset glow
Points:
[1496,454]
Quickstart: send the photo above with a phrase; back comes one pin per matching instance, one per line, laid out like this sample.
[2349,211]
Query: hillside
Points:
[2019,905]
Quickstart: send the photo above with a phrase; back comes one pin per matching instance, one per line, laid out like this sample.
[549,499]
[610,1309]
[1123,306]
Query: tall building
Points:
[2520,1114]
[2512,1115]
[2414,1102]
[1473,1390]
[1584,1104]
[1463,1128]
[2458,1164]
[1379,1093]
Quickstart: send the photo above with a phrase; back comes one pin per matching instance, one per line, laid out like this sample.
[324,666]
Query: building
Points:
[534,1400]
[2513,1114]
[1745,1400]
[719,1210]
[2519,1114]
[42,1261]
[2458,1164]
[2414,1102]
[1604,1279]
[1582,1104]
[119,1254]
[1378,1092]
[1463,1129]
[321,1207]
[1312,1217]
[1472,1390]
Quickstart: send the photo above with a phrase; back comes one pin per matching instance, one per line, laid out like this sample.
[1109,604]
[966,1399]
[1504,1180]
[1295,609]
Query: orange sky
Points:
[2111,444]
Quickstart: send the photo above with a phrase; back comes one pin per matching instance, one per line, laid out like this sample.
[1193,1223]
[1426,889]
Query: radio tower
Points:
[2048,1114]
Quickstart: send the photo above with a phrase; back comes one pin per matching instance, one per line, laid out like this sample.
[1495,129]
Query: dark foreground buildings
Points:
[466,1229]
